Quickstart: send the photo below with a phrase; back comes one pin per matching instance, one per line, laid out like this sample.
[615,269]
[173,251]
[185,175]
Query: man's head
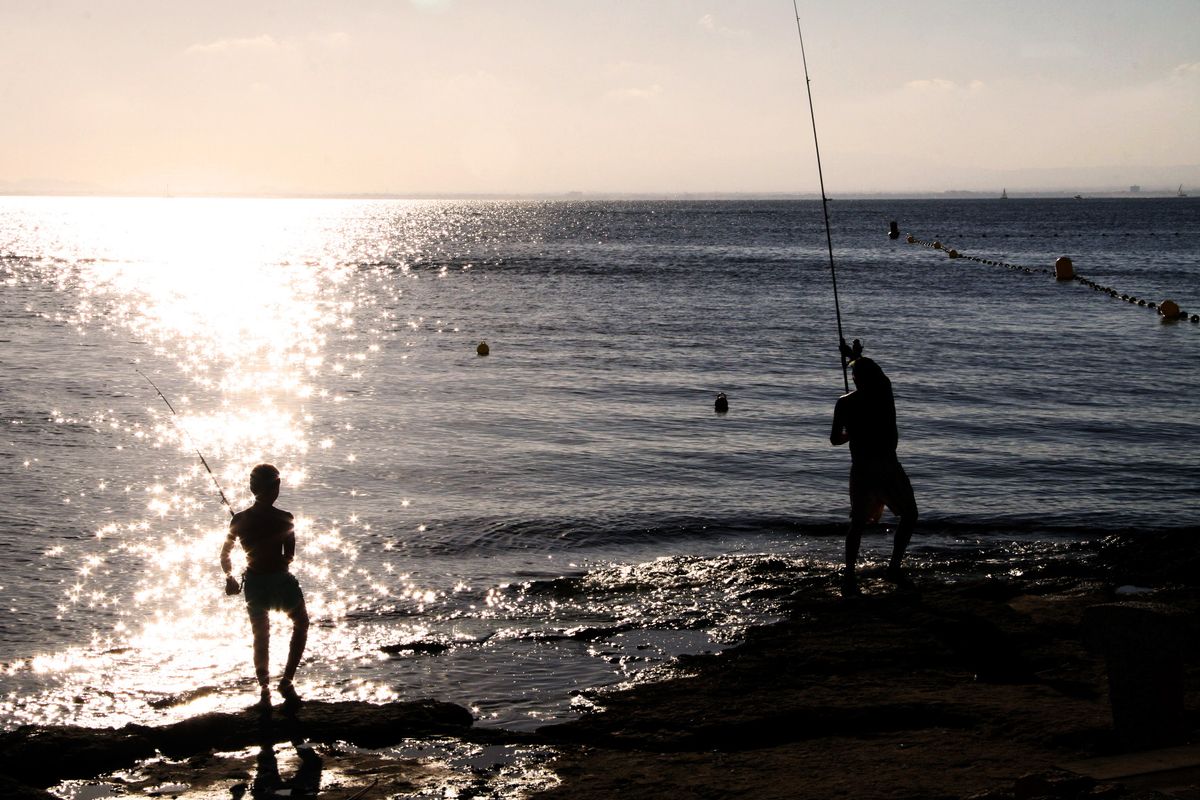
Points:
[867,374]
[264,482]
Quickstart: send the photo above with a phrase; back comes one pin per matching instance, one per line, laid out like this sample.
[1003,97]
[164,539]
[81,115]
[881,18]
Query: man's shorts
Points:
[272,591]
[874,484]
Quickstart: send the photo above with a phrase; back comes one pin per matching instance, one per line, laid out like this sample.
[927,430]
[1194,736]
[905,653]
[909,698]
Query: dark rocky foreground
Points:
[34,757]
[992,688]
[985,688]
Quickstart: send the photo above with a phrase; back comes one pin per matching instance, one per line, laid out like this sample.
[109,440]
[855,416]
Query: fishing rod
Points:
[824,200]
[189,438]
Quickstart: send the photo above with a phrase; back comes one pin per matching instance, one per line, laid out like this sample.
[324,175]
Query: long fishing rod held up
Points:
[189,438]
[824,200]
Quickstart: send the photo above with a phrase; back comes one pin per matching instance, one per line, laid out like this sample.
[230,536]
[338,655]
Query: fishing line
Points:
[189,438]
[824,200]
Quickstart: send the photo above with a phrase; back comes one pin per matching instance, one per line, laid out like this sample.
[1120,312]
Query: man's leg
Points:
[860,508]
[904,532]
[858,524]
[904,504]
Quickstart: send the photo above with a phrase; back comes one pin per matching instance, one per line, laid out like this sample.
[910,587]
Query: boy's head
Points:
[263,479]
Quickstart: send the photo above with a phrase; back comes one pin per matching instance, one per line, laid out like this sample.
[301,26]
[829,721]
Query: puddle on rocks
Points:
[440,768]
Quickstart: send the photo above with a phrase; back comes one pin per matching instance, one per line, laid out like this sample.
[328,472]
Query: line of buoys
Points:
[1064,270]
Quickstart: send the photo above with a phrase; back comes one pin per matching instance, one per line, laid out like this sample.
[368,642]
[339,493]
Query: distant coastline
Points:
[1016,194]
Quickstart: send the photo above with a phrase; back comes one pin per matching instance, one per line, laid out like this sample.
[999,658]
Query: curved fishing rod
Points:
[203,461]
[824,200]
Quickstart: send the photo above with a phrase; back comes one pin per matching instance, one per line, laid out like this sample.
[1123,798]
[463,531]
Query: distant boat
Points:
[1004,194]
[1078,197]
[1182,193]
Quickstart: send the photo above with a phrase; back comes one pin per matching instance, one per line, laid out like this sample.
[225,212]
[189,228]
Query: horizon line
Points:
[1107,193]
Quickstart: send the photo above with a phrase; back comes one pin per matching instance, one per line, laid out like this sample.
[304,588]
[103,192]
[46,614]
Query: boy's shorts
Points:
[272,591]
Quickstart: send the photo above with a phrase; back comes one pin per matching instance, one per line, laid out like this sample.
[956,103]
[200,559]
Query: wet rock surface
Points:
[40,757]
[980,688]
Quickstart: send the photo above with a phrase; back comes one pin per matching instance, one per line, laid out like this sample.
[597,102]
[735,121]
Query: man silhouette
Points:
[866,418]
[268,537]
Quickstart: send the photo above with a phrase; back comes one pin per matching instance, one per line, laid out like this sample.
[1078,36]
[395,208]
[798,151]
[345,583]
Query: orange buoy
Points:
[1169,309]
[953,253]
[937,245]
[910,239]
[1063,269]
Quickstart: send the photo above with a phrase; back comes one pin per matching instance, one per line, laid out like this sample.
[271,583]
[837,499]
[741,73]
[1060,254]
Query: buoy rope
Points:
[837,308]
[1108,290]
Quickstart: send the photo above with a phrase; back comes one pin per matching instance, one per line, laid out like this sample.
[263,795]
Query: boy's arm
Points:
[231,583]
[289,541]
[226,551]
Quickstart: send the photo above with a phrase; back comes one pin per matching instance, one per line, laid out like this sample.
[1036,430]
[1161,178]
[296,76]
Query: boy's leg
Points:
[260,625]
[299,617]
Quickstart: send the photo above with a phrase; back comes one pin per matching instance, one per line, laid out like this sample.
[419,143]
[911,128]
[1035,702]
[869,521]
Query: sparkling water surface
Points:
[567,512]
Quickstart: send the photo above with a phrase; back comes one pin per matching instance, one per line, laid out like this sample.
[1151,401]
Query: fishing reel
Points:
[851,352]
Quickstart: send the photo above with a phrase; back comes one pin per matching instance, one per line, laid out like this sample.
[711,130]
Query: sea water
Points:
[568,512]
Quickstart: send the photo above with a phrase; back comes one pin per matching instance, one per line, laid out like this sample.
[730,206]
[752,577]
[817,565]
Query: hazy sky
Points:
[426,96]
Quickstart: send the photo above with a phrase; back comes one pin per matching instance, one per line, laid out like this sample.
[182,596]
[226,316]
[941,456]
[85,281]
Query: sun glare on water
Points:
[246,311]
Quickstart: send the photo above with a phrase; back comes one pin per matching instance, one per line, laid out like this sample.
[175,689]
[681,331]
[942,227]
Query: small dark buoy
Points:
[1064,270]
[483,349]
[1169,309]
[722,404]
[953,253]
[893,230]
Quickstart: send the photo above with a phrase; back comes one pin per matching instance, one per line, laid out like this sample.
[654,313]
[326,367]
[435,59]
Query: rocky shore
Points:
[33,758]
[995,687]
[984,688]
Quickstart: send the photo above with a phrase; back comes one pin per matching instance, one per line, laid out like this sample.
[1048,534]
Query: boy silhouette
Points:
[268,537]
